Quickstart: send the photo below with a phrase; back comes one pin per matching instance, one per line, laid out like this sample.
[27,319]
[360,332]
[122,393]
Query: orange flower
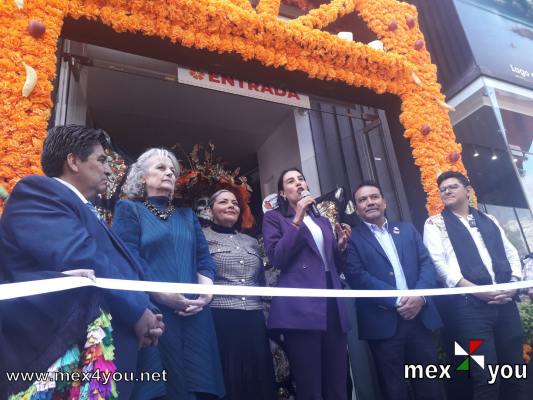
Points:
[227,26]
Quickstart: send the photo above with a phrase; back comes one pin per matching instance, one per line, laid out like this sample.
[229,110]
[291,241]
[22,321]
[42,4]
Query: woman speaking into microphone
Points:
[303,246]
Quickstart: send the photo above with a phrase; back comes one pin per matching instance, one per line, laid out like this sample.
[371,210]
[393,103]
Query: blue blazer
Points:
[368,267]
[295,253]
[46,229]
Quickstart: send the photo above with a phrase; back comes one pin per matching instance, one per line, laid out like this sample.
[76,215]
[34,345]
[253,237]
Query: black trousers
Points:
[413,343]
[500,328]
[318,359]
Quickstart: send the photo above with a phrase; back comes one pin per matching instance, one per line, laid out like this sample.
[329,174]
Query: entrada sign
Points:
[228,84]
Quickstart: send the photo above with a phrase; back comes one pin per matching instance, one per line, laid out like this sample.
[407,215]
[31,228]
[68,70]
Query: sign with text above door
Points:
[228,84]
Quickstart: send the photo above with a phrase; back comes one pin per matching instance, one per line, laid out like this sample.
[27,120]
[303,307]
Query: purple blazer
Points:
[295,253]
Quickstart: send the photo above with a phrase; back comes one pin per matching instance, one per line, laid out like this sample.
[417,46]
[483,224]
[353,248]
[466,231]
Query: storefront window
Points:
[507,217]
[495,127]
[522,10]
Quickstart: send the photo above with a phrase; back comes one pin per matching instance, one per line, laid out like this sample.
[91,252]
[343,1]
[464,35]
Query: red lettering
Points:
[295,95]
[280,92]
[267,89]
[213,78]
[241,84]
[253,86]
[228,80]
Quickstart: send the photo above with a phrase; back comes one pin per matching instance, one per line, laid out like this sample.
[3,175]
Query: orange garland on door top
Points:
[404,69]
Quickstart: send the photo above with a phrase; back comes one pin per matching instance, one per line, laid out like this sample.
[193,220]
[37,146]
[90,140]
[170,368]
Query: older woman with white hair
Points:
[171,247]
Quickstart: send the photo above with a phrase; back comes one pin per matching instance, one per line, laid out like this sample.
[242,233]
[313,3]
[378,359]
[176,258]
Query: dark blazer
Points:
[368,267]
[295,253]
[46,229]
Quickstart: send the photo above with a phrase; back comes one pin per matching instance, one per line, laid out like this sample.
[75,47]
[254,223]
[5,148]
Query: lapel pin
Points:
[396,230]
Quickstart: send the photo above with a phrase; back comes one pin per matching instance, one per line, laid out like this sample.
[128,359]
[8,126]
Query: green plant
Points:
[526,313]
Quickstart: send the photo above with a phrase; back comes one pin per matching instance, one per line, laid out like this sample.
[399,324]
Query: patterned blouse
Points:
[239,263]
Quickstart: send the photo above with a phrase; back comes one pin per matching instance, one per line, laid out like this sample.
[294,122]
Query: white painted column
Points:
[307,150]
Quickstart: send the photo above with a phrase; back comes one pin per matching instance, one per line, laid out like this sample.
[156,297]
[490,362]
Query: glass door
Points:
[352,144]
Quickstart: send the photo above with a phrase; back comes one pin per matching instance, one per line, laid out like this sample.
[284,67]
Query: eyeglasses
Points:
[451,188]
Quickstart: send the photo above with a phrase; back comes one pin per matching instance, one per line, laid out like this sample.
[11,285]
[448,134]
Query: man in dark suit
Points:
[391,255]
[49,226]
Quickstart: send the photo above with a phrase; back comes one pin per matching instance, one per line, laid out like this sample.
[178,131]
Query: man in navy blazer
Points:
[391,255]
[49,226]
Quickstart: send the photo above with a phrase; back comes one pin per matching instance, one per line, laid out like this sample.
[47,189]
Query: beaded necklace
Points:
[164,215]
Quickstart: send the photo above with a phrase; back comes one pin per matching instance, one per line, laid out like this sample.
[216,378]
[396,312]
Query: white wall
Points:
[278,152]
[289,145]
[307,151]
[71,107]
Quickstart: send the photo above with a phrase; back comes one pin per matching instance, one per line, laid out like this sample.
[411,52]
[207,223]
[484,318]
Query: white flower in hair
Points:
[270,202]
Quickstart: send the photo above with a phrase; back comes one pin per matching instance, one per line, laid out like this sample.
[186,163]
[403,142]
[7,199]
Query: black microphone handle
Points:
[314,210]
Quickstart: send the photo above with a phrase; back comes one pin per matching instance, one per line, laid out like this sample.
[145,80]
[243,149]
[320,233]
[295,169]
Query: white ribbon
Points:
[30,288]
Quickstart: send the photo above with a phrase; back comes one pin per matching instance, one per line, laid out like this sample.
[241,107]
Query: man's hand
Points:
[487,297]
[409,307]
[149,328]
[156,332]
[496,297]
[503,297]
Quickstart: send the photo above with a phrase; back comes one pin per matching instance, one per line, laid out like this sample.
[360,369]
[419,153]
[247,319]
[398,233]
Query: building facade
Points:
[483,50]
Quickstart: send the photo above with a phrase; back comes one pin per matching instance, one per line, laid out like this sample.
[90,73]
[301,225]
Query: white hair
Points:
[133,188]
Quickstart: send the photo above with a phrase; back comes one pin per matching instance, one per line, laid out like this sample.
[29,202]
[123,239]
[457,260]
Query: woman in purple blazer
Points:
[306,251]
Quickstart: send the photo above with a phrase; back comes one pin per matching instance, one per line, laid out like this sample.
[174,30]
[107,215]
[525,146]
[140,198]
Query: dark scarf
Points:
[223,229]
[465,249]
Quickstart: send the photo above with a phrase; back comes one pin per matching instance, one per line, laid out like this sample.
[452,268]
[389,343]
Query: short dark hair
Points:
[453,174]
[368,183]
[66,139]
[283,204]
[213,198]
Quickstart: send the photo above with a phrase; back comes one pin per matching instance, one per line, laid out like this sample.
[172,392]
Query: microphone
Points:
[312,207]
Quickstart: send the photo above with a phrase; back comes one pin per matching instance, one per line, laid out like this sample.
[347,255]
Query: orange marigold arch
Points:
[403,69]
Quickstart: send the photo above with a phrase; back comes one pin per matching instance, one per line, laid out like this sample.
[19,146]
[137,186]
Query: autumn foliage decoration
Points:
[403,69]
[202,174]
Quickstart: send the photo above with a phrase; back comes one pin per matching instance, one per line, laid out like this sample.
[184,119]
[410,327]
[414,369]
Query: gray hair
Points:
[215,195]
[133,188]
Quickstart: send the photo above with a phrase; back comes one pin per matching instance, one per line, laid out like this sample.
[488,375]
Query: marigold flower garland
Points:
[404,69]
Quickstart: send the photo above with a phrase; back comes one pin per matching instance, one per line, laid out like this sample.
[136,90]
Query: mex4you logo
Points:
[469,359]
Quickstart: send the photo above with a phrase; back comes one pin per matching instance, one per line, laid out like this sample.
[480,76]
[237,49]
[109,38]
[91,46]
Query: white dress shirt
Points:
[384,238]
[74,189]
[318,237]
[440,247]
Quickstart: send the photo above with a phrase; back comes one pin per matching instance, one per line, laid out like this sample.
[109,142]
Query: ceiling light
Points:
[476,153]
[494,156]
